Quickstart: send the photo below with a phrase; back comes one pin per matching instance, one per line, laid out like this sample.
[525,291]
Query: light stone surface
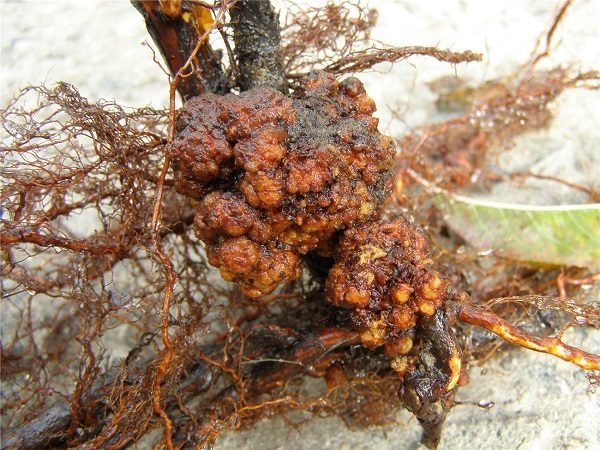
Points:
[540,402]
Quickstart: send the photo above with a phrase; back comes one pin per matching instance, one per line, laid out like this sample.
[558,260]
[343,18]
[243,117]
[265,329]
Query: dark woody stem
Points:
[176,32]
[257,40]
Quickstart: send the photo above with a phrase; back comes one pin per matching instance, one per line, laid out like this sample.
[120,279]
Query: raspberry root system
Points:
[332,263]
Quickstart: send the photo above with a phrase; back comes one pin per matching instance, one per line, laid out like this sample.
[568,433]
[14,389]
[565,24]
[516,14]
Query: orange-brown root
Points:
[550,345]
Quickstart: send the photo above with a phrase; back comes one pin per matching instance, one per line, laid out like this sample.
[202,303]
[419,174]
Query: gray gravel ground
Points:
[540,402]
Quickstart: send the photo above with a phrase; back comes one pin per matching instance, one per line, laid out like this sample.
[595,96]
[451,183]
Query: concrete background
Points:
[540,402]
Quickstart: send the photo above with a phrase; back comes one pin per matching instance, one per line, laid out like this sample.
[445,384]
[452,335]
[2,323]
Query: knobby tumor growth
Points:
[277,177]
[280,178]
[383,273]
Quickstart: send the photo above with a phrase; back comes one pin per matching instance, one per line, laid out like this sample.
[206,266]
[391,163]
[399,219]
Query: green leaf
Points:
[567,234]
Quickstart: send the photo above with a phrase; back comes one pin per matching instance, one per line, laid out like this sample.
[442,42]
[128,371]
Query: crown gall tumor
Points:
[382,272]
[277,176]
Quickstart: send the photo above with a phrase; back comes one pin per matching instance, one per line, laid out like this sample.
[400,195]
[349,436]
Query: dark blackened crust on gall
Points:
[277,177]
[383,273]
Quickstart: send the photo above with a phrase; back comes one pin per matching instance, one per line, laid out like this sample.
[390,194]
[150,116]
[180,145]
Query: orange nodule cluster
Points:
[383,272]
[277,176]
